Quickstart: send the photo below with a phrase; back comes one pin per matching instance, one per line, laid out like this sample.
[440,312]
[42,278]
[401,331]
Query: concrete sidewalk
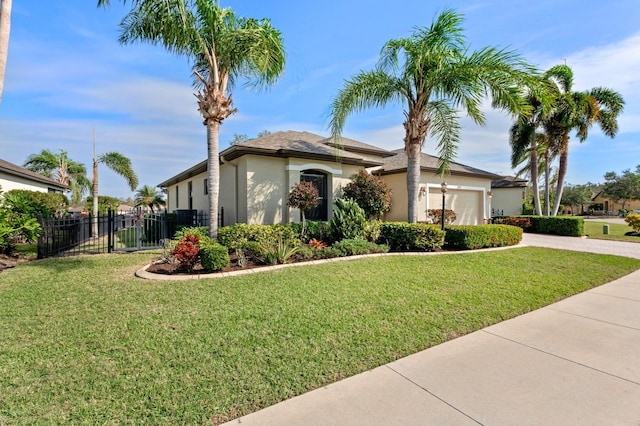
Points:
[575,362]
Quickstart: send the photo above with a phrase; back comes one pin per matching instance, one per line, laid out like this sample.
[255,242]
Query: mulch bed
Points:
[172,268]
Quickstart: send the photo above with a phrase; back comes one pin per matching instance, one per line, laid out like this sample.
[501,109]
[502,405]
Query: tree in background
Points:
[371,193]
[433,74]
[149,196]
[63,169]
[222,48]
[576,195]
[624,187]
[303,196]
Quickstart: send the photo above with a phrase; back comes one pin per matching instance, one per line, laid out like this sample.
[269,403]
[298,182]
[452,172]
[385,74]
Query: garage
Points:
[467,204]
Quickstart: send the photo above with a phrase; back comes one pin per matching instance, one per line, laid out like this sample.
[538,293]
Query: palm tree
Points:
[577,111]
[433,74]
[222,47]
[149,196]
[119,164]
[63,169]
[5,29]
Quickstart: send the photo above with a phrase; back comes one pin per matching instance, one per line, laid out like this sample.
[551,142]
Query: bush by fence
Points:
[568,226]
[466,237]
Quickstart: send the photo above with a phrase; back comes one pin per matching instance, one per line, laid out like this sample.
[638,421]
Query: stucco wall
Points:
[507,201]
[9,182]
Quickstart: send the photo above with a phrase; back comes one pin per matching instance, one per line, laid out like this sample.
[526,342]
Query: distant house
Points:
[16,177]
[257,175]
[601,203]
[507,194]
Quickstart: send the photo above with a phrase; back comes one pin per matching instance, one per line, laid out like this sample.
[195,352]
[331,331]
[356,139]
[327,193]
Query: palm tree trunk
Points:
[213,174]
[5,27]
[547,172]
[562,172]
[534,178]
[413,180]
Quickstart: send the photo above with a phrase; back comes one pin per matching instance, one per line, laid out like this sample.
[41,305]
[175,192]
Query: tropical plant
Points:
[15,224]
[5,29]
[119,164]
[349,221]
[577,111]
[186,251]
[371,193]
[63,169]
[303,196]
[433,74]
[149,196]
[222,48]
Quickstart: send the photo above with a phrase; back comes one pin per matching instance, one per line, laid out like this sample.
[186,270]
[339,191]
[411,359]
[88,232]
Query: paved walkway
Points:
[575,362]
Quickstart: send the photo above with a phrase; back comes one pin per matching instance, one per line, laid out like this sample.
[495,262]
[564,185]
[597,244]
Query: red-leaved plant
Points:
[187,251]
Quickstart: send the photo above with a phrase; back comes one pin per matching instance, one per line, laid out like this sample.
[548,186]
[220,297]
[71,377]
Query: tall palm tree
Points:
[149,196]
[577,111]
[223,48]
[63,169]
[119,164]
[5,29]
[433,74]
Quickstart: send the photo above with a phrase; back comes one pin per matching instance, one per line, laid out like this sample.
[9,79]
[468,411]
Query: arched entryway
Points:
[319,181]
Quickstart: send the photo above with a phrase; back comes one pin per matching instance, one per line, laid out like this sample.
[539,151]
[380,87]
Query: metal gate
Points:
[137,230]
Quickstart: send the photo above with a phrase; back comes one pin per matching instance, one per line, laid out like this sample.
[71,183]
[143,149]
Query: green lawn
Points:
[83,341]
[616,231]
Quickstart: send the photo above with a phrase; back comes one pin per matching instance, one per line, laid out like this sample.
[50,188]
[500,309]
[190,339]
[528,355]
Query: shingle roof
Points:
[296,144]
[357,146]
[509,182]
[398,164]
[16,170]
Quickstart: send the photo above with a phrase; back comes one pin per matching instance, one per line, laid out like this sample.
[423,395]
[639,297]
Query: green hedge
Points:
[568,226]
[470,237]
[402,236]
[239,235]
[213,256]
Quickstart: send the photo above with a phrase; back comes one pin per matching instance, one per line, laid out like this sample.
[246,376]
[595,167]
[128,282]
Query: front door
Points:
[319,181]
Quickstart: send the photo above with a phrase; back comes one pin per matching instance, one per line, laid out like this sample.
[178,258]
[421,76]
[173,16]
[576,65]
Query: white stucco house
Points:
[256,176]
[15,177]
[507,195]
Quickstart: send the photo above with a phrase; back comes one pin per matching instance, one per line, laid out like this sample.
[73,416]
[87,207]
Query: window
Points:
[319,180]
[206,188]
[190,194]
[177,197]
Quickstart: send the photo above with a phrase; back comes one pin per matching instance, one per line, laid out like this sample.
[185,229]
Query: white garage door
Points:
[466,204]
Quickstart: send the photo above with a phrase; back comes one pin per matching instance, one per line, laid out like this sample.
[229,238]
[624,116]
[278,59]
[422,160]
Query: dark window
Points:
[206,188]
[190,194]
[319,180]
[177,197]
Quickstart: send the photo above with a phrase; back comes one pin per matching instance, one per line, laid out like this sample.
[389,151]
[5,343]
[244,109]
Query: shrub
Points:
[30,203]
[570,226]
[213,256]
[200,231]
[470,237]
[272,252]
[370,193]
[520,222]
[348,222]
[239,235]
[357,246]
[303,196]
[633,220]
[435,216]
[402,236]
[186,251]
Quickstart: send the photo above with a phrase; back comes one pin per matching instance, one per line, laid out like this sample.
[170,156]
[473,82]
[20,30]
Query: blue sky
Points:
[66,73]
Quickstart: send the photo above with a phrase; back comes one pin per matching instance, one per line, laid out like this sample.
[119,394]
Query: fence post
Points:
[110,228]
[40,237]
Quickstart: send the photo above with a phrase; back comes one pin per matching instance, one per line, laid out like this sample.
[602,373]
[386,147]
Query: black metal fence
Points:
[124,231]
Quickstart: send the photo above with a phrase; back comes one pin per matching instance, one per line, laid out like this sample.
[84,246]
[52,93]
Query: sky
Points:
[67,74]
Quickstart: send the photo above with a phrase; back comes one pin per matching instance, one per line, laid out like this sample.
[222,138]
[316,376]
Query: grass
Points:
[83,341]
[616,231]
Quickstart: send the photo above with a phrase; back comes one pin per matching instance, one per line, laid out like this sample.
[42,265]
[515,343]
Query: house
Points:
[507,194]
[256,176]
[16,177]
[605,205]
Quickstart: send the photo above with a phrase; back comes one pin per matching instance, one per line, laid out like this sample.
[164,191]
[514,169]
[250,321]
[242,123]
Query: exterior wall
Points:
[9,182]
[507,201]
[613,207]
[467,196]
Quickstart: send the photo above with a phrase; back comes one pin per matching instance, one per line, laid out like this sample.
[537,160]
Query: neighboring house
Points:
[507,194]
[257,175]
[606,205]
[16,177]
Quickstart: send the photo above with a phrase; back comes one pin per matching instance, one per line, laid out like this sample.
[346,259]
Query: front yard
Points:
[83,341]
